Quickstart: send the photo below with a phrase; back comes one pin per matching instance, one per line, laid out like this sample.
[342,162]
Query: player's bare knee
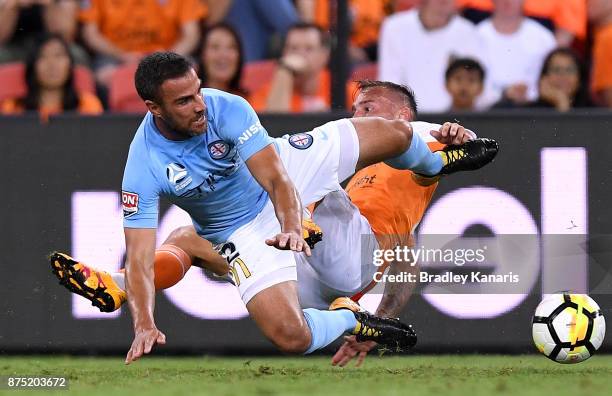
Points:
[292,338]
[180,234]
[403,134]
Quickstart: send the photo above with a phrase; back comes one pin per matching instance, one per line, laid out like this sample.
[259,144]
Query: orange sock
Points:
[170,266]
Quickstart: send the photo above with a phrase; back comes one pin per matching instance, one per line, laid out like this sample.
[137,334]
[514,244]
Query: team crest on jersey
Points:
[218,149]
[301,141]
[178,175]
[129,204]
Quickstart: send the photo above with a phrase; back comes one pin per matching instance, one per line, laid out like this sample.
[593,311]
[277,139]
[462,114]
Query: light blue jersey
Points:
[204,175]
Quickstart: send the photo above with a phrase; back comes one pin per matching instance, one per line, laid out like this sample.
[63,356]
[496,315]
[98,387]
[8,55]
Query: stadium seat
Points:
[257,74]
[13,85]
[122,92]
[366,71]
[405,5]
[84,80]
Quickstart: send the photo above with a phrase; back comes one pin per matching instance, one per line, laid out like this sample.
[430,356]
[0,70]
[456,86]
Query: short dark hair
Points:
[406,92]
[468,64]
[156,68]
[323,35]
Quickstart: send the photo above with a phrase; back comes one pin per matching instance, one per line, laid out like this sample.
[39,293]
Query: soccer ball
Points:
[568,328]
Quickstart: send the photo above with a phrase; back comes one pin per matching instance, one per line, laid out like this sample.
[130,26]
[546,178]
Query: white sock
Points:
[119,278]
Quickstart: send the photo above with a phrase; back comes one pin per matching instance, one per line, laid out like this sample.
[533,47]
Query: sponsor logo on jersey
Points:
[218,149]
[250,131]
[301,141]
[178,176]
[129,204]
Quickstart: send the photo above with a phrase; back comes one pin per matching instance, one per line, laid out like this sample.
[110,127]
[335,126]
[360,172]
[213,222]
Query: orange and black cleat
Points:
[95,285]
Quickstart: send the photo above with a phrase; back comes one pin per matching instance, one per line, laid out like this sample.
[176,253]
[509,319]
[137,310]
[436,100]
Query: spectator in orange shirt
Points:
[221,59]
[124,31]
[301,82]
[366,17]
[600,15]
[50,83]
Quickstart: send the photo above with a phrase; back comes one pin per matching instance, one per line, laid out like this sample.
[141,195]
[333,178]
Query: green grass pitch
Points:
[408,375]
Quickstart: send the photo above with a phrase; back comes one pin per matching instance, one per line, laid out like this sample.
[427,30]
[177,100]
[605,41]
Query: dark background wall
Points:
[44,164]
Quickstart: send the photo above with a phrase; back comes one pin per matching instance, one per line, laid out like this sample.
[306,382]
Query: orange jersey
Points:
[366,17]
[142,25]
[602,60]
[390,199]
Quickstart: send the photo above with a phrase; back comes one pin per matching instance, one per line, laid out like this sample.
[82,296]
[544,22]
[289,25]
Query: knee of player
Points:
[292,338]
[403,132]
[180,234]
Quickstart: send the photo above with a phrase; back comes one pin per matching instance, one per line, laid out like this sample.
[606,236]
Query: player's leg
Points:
[277,312]
[200,251]
[172,260]
[394,142]
[266,277]
[181,249]
[334,151]
[342,264]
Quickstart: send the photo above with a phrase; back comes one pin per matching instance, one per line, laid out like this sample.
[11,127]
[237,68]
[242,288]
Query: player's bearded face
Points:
[193,126]
[183,108]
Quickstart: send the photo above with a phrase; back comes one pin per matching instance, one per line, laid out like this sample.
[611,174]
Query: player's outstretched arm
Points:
[140,246]
[267,168]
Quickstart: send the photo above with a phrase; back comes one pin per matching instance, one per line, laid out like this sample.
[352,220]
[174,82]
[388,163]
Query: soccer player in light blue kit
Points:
[207,152]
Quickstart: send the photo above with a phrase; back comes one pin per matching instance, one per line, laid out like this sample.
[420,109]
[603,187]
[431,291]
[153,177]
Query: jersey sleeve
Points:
[238,124]
[139,195]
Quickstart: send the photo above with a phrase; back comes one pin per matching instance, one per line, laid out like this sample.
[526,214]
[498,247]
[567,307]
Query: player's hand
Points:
[144,340]
[289,241]
[452,133]
[350,349]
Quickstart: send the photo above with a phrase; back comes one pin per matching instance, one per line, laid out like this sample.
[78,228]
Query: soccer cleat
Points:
[471,155]
[95,285]
[311,232]
[388,332]
[345,303]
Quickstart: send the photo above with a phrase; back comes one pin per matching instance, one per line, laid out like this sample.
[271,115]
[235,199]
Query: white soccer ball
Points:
[568,328]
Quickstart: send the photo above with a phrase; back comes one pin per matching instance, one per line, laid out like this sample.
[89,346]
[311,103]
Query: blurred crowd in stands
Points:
[457,55]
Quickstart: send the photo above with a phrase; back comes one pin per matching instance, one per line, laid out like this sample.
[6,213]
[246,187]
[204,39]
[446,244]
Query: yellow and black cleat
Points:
[388,332]
[471,155]
[95,285]
[311,232]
